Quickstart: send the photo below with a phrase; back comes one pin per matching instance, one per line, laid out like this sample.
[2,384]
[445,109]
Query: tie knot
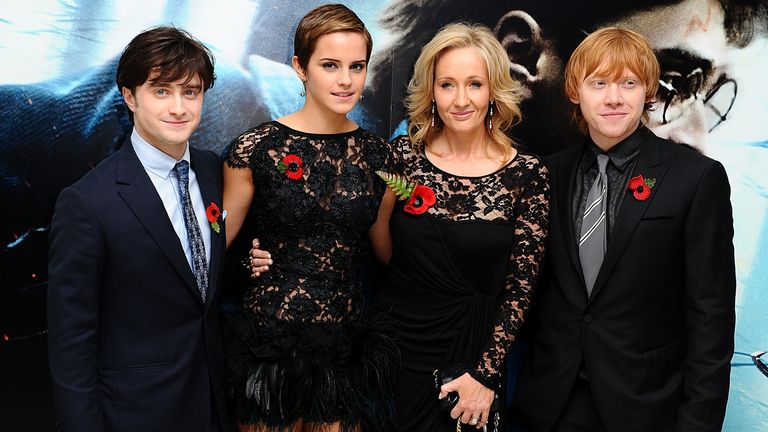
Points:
[602,162]
[182,171]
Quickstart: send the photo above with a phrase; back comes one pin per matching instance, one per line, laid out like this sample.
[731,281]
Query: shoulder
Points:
[257,133]
[684,159]
[566,156]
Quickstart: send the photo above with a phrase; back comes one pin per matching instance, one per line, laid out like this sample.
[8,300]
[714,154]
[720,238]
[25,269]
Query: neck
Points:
[462,145]
[607,143]
[313,120]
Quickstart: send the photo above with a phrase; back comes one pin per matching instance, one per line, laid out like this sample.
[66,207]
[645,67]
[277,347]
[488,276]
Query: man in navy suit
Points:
[135,260]
[633,329]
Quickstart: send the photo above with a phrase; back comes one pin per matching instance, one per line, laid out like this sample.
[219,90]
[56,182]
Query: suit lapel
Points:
[564,253]
[206,179]
[138,192]
[649,165]
[566,185]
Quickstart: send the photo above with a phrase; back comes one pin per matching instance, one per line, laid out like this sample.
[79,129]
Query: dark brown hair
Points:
[170,51]
[322,20]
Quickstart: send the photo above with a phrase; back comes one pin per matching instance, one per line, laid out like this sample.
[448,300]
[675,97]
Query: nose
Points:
[176,105]
[689,128]
[344,77]
[462,97]
[613,95]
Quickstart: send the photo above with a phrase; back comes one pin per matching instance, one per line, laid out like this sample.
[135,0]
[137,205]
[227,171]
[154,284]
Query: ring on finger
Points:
[473,421]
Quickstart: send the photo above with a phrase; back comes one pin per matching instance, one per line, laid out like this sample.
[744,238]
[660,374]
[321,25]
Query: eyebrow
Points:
[339,61]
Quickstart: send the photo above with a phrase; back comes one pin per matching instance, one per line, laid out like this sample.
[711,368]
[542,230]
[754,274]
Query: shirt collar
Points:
[154,160]
[620,155]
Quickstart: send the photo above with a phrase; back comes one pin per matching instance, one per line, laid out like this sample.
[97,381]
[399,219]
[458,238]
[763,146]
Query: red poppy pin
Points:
[641,187]
[420,197]
[213,212]
[290,165]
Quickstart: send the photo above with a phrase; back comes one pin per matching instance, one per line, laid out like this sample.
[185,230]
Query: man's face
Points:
[166,114]
[611,106]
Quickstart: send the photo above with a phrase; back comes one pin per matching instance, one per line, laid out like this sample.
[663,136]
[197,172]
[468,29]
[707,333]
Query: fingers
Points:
[260,260]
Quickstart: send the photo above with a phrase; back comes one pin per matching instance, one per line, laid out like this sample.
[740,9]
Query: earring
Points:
[490,117]
[433,112]
[361,96]
[304,89]
[303,93]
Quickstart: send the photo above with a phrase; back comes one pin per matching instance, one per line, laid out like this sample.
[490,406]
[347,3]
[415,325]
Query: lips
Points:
[461,115]
[343,94]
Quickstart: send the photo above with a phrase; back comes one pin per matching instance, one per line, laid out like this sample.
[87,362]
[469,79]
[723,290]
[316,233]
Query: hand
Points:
[260,259]
[474,403]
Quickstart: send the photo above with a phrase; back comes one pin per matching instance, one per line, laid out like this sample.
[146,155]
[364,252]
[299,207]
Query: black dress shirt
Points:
[623,157]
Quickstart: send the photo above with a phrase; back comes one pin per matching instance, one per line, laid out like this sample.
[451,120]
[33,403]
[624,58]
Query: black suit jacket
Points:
[656,335]
[132,346]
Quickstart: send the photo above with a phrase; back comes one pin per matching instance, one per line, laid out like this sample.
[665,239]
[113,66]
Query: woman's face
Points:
[462,90]
[335,73]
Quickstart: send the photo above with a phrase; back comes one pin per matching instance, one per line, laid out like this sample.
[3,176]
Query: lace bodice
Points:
[517,196]
[315,198]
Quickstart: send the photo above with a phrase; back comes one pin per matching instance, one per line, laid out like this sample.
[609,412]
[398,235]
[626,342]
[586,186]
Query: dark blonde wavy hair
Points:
[505,92]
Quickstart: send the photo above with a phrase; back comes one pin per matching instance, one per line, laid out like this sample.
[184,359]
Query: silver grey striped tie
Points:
[594,236]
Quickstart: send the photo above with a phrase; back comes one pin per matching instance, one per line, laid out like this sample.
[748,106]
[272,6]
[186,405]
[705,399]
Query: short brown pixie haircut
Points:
[323,20]
[610,51]
[170,51]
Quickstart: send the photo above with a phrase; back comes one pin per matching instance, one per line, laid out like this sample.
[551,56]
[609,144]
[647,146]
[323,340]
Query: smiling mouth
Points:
[343,94]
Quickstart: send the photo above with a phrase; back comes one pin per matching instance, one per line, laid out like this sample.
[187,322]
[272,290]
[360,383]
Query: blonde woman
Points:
[467,242]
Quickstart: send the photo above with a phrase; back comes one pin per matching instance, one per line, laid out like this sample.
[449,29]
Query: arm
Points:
[238,182]
[476,388]
[710,287]
[381,239]
[238,194]
[75,268]
[531,229]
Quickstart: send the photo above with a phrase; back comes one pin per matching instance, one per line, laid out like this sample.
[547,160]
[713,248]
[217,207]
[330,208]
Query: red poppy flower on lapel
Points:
[213,212]
[290,165]
[420,198]
[641,187]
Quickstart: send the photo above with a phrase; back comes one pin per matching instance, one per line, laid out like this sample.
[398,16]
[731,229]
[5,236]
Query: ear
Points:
[129,98]
[532,58]
[299,70]
[574,99]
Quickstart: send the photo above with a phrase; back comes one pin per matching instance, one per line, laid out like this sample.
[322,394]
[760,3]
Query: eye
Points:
[191,93]
[357,67]
[630,83]
[329,66]
[476,84]
[161,92]
[598,84]
[446,86]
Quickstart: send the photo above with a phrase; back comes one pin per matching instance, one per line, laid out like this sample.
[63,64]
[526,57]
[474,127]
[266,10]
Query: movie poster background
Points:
[60,114]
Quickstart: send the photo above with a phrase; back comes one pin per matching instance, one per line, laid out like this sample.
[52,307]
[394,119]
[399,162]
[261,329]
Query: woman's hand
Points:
[474,403]
[260,260]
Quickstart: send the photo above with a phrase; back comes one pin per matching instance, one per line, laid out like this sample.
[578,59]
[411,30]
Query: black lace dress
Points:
[460,278]
[301,346]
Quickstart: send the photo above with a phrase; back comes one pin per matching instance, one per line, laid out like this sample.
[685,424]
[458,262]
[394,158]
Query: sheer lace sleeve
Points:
[238,153]
[531,226]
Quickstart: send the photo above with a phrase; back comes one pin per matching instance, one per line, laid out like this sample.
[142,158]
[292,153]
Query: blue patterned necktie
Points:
[199,262]
[594,236]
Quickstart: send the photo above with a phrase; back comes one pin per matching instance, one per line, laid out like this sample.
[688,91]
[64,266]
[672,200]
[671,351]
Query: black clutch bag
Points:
[446,375]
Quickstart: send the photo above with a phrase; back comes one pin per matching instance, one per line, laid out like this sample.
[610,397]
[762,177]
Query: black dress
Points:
[459,281]
[301,346]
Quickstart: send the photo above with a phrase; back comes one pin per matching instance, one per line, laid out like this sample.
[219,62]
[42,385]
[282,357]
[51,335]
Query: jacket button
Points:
[587,319]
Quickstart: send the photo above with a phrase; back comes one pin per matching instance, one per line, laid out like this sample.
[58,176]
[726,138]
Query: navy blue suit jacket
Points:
[656,335]
[132,346]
